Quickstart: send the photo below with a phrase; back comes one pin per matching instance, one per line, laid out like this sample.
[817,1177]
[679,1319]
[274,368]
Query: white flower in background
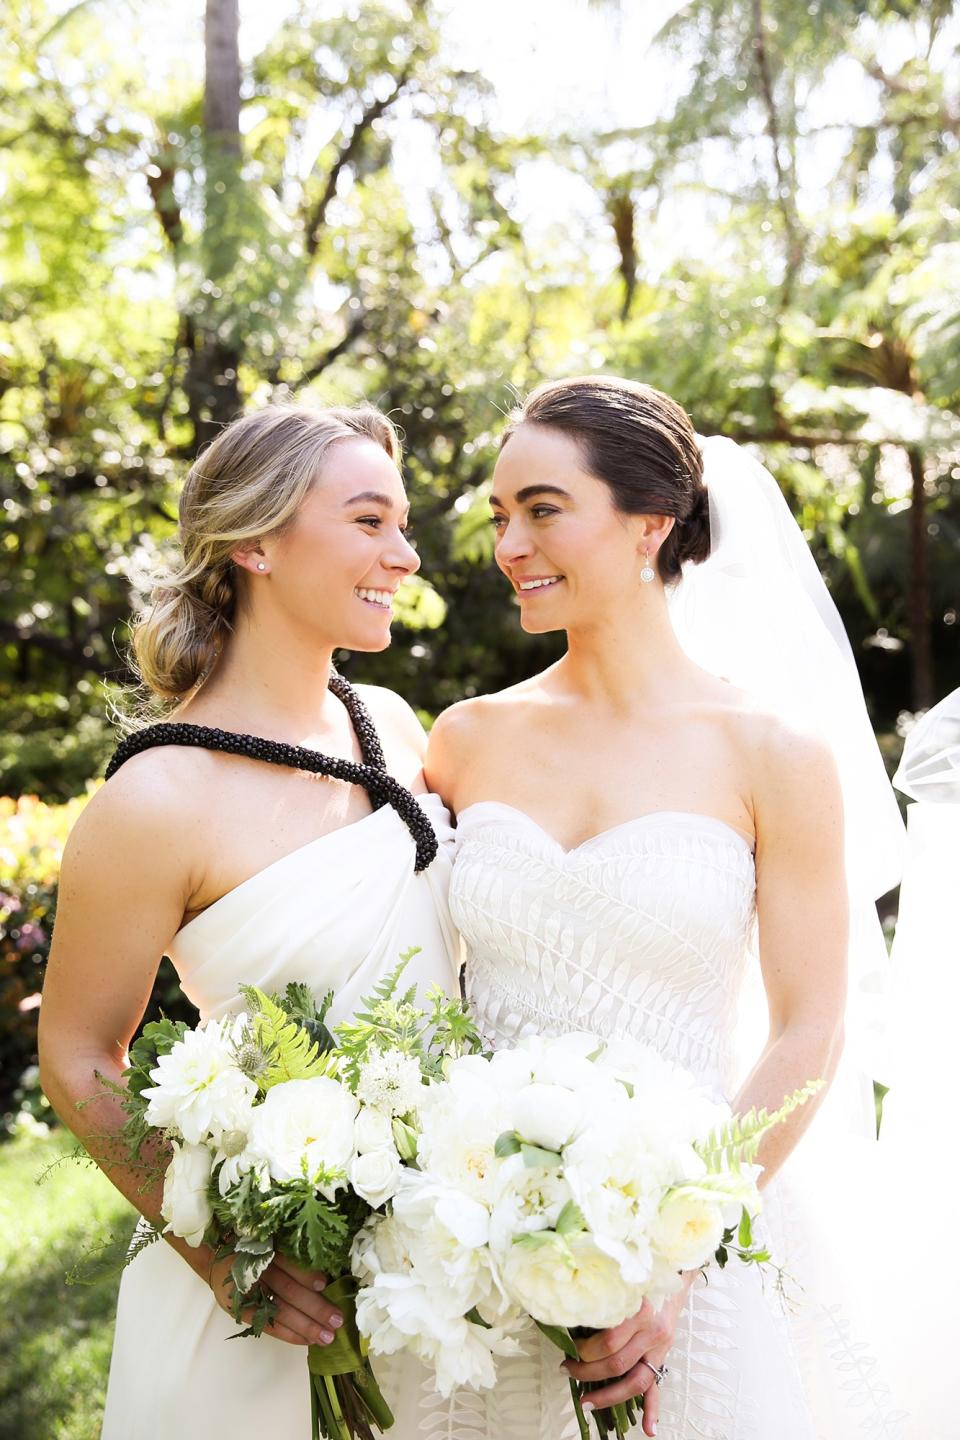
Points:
[391,1081]
[186,1206]
[199,1090]
[373,1130]
[546,1115]
[688,1228]
[460,1126]
[376,1175]
[305,1125]
[569,1282]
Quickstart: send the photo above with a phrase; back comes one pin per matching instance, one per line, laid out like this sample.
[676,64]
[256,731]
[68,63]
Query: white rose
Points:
[376,1175]
[373,1130]
[688,1229]
[546,1115]
[199,1090]
[591,1291]
[306,1124]
[186,1206]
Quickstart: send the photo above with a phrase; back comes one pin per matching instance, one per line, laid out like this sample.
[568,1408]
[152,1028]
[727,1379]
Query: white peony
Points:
[571,1283]
[546,1115]
[303,1127]
[391,1081]
[200,1092]
[373,1130]
[397,1312]
[376,1175]
[460,1126]
[447,1234]
[527,1199]
[186,1205]
[688,1228]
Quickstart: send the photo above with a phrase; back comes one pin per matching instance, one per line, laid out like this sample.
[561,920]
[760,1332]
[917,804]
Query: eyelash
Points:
[376,522]
[545,511]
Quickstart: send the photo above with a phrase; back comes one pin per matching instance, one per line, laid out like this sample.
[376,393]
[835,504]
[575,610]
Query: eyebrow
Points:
[528,492]
[370,497]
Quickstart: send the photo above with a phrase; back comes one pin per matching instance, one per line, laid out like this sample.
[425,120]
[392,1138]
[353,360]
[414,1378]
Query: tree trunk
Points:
[919,594]
[211,384]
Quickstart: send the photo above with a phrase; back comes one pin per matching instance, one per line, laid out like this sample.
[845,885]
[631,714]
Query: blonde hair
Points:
[248,484]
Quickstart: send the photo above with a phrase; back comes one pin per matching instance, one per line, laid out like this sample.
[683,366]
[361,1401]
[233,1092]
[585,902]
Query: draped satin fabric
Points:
[335,914]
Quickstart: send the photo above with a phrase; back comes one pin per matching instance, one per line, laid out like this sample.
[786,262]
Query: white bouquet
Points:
[563,1181]
[285,1139]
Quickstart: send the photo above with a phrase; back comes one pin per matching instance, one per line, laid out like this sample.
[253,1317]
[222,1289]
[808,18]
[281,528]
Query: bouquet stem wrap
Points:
[346,1400]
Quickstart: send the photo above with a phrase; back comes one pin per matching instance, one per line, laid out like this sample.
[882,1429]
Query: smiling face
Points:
[570,555]
[338,564]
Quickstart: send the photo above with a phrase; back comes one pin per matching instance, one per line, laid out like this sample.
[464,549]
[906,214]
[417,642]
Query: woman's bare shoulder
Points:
[152,803]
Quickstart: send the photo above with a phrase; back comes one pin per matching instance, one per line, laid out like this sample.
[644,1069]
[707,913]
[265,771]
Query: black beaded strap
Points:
[382,788]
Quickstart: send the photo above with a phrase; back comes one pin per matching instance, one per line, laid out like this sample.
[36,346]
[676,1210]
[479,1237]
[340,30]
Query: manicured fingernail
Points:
[326,1336]
[319,1285]
[587,1406]
[336,1321]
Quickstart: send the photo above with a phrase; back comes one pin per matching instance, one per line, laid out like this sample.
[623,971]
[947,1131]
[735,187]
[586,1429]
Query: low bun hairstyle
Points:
[641,444]
[248,484]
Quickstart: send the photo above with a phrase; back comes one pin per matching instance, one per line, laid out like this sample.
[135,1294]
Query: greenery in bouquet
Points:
[286,1137]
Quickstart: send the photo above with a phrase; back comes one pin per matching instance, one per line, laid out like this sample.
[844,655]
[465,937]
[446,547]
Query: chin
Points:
[539,627]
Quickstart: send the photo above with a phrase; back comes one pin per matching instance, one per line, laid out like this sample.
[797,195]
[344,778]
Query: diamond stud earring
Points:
[647,574]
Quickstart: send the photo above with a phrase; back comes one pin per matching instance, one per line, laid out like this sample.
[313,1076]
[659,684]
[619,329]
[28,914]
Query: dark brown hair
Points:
[641,444]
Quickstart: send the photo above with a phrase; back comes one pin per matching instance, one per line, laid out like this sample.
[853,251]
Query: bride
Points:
[625,819]
[292,535]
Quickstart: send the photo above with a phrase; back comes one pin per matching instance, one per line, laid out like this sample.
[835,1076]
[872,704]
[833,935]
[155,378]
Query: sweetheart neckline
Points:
[648,816]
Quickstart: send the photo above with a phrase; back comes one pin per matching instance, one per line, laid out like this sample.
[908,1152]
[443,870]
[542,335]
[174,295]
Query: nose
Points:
[402,556]
[513,544]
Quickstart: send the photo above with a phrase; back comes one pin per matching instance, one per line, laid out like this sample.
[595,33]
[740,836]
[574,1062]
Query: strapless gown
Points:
[646,930]
[336,914]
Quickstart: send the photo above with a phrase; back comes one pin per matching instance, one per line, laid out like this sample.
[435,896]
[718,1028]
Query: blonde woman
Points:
[218,851]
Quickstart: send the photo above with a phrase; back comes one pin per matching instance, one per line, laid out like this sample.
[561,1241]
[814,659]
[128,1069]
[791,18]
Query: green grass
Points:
[55,1336]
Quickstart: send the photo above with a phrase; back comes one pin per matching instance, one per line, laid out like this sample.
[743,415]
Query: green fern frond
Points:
[292,1053]
[737,1141]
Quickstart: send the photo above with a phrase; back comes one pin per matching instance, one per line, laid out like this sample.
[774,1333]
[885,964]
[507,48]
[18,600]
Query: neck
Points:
[271,682]
[628,658]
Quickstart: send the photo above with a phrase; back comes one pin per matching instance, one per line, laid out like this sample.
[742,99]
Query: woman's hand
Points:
[626,1355]
[303,1316]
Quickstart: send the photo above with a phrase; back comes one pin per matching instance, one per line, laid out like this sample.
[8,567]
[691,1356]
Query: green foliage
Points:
[737,1140]
[289,1052]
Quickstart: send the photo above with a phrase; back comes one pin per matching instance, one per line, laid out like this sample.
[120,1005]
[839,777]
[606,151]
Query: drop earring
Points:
[647,574]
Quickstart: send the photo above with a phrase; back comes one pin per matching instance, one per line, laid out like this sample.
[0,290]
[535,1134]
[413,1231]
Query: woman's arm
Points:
[803,929]
[127,878]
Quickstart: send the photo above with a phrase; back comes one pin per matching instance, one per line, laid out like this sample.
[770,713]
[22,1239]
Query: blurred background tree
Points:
[343,211]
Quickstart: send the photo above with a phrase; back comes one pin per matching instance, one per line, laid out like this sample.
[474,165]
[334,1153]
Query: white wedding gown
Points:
[646,930]
[336,914]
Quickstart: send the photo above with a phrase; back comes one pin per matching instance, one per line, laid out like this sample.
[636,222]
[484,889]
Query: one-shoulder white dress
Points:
[336,914]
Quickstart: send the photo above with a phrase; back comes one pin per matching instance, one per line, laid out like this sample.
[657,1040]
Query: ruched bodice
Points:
[336,913]
[641,930]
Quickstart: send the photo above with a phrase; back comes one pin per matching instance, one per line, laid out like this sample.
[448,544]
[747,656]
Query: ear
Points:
[252,559]
[654,530]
